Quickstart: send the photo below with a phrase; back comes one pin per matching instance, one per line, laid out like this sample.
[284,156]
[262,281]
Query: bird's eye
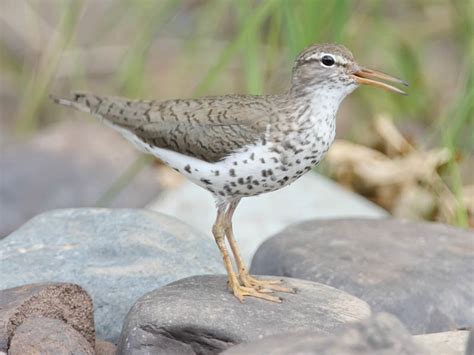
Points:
[328,60]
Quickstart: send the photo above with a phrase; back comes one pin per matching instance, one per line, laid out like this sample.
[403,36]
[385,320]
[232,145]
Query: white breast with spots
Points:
[262,167]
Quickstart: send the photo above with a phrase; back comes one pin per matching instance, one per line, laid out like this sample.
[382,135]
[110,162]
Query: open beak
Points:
[365,76]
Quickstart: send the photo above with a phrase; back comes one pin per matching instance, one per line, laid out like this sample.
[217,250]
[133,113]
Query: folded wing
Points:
[208,128]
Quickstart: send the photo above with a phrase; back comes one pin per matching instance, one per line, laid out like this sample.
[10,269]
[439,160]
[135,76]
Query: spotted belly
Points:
[254,171]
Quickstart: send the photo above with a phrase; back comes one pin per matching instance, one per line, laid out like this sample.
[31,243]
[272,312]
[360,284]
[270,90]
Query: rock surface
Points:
[446,343]
[116,255]
[421,272]
[104,348]
[40,335]
[382,334]
[257,218]
[198,315]
[470,343]
[71,164]
[66,302]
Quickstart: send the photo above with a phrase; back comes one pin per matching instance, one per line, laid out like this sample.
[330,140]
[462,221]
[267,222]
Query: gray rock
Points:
[72,164]
[470,343]
[446,343]
[421,272]
[198,315]
[257,218]
[116,255]
[382,334]
[67,302]
[39,335]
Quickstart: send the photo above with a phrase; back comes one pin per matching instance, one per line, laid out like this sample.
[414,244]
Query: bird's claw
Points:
[242,291]
[266,286]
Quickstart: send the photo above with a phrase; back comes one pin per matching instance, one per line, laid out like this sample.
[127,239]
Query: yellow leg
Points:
[246,279]
[240,291]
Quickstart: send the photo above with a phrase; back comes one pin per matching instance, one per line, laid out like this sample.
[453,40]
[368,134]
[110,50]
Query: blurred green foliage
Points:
[427,42]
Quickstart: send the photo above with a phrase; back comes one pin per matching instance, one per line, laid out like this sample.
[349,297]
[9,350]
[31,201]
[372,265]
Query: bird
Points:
[238,146]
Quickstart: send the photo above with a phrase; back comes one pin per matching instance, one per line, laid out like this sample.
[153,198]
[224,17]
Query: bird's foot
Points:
[263,285]
[242,291]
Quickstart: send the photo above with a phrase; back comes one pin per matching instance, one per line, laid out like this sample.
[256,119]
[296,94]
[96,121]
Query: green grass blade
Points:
[251,60]
[124,180]
[249,27]
[131,75]
[36,89]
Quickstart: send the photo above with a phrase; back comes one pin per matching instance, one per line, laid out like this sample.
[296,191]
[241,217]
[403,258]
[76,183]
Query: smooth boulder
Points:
[117,255]
[446,343]
[421,272]
[382,334]
[198,315]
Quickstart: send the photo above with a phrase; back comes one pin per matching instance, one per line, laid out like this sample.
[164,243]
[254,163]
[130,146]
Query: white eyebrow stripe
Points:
[341,60]
[337,58]
[314,56]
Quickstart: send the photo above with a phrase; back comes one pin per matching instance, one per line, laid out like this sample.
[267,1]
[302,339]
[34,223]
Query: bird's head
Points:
[331,69]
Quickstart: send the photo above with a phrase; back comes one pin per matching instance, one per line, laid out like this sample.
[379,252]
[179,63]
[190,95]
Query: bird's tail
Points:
[119,113]
[109,109]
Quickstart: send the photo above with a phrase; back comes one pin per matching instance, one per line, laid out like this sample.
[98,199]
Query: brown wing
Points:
[208,128]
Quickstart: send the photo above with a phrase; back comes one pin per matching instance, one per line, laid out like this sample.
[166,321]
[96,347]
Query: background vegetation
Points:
[170,48]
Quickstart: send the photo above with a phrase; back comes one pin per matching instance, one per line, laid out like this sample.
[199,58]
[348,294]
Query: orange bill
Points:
[367,76]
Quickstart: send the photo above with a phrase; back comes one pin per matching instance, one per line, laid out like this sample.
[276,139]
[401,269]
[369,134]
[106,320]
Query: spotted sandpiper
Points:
[237,146]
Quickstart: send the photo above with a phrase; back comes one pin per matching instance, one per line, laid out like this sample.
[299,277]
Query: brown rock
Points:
[46,336]
[103,347]
[66,302]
